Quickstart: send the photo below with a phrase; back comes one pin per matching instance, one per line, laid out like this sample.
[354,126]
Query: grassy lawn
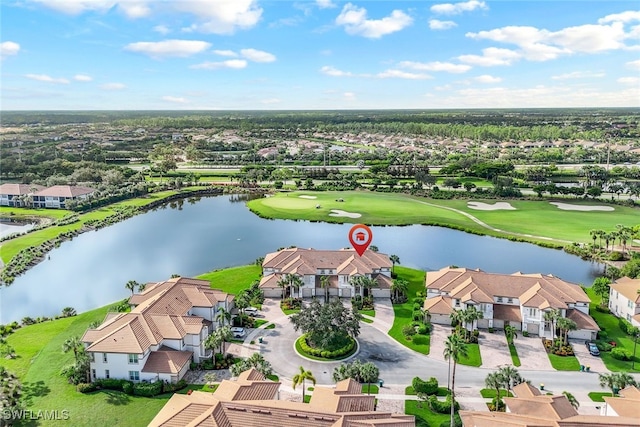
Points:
[371,389]
[365,320]
[609,323]
[538,218]
[403,312]
[564,363]
[234,279]
[514,355]
[597,396]
[442,391]
[474,358]
[40,359]
[6,211]
[370,313]
[425,417]
[489,393]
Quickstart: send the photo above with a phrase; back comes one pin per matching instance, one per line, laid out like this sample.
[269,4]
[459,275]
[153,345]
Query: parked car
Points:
[593,348]
[238,332]
[251,311]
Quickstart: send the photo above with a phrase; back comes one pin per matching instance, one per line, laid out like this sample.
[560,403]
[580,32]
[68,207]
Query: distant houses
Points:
[519,300]
[37,196]
[624,299]
[340,267]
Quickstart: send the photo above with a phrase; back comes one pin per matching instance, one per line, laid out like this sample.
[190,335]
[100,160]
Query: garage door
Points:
[483,323]
[533,328]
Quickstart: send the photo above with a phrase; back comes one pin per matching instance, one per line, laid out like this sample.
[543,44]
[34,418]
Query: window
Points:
[457,303]
[510,300]
[104,357]
[133,358]
[630,304]
[106,373]
[533,312]
[499,299]
[93,374]
[92,357]
[628,318]
[134,375]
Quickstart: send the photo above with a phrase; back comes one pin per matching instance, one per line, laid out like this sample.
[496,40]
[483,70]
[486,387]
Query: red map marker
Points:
[360,237]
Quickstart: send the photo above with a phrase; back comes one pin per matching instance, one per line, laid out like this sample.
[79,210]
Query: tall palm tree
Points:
[608,381]
[73,344]
[594,236]
[224,335]
[369,373]
[283,283]
[565,325]
[494,380]
[399,287]
[295,282]
[300,378]
[572,400]
[510,377]
[471,315]
[367,283]
[324,284]
[395,259]
[131,285]
[454,349]
[510,333]
[552,316]
[456,318]
[212,343]
[223,316]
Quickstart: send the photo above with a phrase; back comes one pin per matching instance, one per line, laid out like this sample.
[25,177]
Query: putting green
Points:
[536,221]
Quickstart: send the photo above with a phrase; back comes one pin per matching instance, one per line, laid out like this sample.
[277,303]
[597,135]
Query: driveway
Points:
[439,335]
[494,349]
[532,354]
[586,359]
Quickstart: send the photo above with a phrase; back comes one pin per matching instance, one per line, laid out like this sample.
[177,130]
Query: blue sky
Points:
[325,54]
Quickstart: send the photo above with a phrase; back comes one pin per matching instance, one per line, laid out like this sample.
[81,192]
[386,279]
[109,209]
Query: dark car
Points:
[593,348]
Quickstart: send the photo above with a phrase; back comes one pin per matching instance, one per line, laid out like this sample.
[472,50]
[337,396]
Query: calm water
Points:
[91,270]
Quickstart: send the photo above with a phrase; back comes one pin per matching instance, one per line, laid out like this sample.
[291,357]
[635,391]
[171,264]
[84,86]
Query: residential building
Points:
[164,332]
[519,300]
[55,197]
[17,195]
[530,408]
[252,401]
[340,266]
[624,299]
[624,406]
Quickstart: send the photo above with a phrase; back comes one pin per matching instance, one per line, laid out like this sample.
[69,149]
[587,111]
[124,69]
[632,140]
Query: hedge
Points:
[425,387]
[86,387]
[327,354]
[147,389]
[620,354]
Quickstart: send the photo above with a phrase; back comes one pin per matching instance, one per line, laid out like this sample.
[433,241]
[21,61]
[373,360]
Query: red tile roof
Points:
[64,191]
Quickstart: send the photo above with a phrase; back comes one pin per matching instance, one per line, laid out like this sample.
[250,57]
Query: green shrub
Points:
[491,330]
[408,330]
[442,407]
[626,327]
[424,329]
[110,383]
[616,256]
[417,306]
[456,419]
[525,333]
[620,354]
[147,389]
[170,388]
[420,340]
[425,387]
[418,301]
[86,387]
[603,346]
[417,315]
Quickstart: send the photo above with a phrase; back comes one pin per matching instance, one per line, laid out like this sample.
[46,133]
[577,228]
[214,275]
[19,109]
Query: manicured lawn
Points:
[403,312]
[490,393]
[538,218]
[514,355]
[365,320]
[474,358]
[564,363]
[6,211]
[371,313]
[597,396]
[442,391]
[609,323]
[373,389]
[424,416]
[198,387]
[234,279]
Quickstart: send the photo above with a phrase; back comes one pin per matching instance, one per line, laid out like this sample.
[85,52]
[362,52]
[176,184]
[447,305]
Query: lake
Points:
[193,236]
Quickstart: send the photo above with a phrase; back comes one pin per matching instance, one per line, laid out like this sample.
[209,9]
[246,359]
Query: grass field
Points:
[534,218]
[597,396]
[514,355]
[403,312]
[473,358]
[40,359]
[609,324]
[489,393]
[425,417]
[564,363]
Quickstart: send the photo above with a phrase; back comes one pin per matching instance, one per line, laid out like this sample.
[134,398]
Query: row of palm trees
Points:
[466,319]
[504,378]
[294,282]
[622,234]
[560,323]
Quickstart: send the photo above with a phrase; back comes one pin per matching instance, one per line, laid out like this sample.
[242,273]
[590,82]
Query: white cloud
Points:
[134,9]
[228,53]
[490,57]
[162,29]
[334,72]
[355,21]
[221,16]
[436,24]
[82,78]
[113,86]
[457,8]
[629,80]
[399,74]
[131,8]
[435,66]
[168,48]
[47,79]
[578,75]
[634,65]
[486,78]
[325,4]
[9,49]
[230,63]
[271,101]
[257,55]
[175,99]
[628,16]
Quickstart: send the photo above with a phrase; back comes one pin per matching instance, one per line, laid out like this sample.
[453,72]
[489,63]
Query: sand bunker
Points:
[307,197]
[568,207]
[498,206]
[338,212]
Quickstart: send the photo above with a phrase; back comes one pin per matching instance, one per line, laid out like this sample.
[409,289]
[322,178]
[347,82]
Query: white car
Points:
[238,332]
[251,311]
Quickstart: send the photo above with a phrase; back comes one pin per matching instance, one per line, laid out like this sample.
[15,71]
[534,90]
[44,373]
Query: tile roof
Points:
[507,312]
[627,404]
[64,191]
[308,261]
[627,287]
[438,305]
[19,189]
[167,361]
[583,321]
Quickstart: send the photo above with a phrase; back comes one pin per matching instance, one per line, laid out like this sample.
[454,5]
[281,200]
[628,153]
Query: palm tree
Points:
[552,316]
[212,343]
[572,400]
[510,377]
[615,381]
[395,259]
[565,325]
[456,318]
[454,349]
[282,283]
[470,315]
[369,373]
[367,283]
[399,287]
[73,344]
[594,236]
[224,335]
[494,380]
[223,316]
[510,333]
[131,285]
[300,378]
[324,284]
